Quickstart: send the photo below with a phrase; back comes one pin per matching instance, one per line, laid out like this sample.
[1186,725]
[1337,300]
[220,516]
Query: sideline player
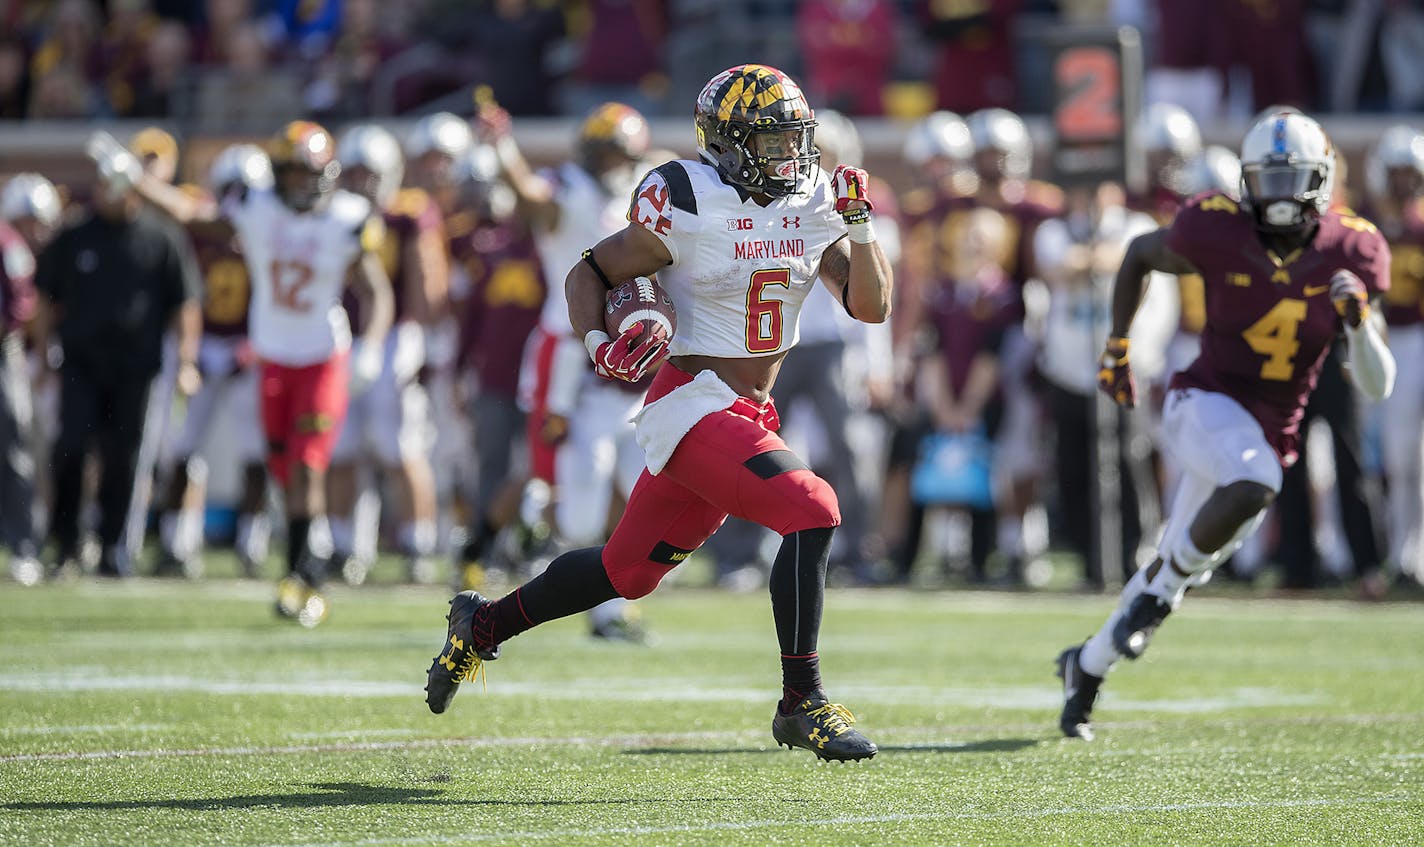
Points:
[736,239]
[390,419]
[304,242]
[582,444]
[1394,178]
[229,384]
[1297,274]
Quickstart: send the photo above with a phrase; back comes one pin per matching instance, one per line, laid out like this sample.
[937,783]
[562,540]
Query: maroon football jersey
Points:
[970,318]
[411,216]
[1404,301]
[1269,319]
[939,222]
[227,290]
[506,293]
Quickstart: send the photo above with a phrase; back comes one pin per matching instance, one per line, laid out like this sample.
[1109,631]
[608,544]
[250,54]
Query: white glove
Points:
[365,366]
[409,354]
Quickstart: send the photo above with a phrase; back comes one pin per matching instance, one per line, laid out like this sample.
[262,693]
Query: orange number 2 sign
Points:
[1090,81]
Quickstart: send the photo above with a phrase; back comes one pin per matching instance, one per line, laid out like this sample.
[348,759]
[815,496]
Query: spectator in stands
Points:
[1187,60]
[112,284]
[14,79]
[63,93]
[1378,51]
[975,43]
[621,58]
[848,47]
[123,47]
[247,92]
[1267,42]
[163,88]
[221,19]
[513,44]
[341,84]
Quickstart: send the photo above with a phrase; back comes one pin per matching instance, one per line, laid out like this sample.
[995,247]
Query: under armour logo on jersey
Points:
[791,223]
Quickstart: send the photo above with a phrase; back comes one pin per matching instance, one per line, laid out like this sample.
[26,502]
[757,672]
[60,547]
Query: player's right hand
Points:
[1115,375]
[618,358]
[1351,298]
[365,366]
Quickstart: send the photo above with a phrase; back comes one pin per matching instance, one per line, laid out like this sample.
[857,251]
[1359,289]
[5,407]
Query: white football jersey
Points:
[588,213]
[298,264]
[739,271]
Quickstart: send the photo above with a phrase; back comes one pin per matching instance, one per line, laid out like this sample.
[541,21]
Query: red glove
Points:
[620,359]
[851,184]
[1114,374]
[1351,298]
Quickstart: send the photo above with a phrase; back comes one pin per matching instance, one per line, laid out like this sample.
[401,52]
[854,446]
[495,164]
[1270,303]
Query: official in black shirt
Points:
[111,285]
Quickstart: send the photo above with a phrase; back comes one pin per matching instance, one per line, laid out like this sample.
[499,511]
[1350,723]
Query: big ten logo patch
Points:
[739,224]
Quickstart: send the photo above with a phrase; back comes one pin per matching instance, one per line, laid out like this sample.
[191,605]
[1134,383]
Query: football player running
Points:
[304,242]
[1283,274]
[736,239]
[390,419]
[1394,177]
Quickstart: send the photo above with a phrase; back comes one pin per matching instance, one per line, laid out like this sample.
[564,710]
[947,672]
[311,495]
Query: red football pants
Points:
[302,412]
[731,462]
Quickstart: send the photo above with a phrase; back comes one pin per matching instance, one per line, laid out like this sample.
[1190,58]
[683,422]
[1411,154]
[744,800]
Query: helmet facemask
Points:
[1287,195]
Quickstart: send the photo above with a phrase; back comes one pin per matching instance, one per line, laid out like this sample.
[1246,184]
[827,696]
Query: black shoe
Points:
[1134,629]
[1080,692]
[623,628]
[461,660]
[114,564]
[824,728]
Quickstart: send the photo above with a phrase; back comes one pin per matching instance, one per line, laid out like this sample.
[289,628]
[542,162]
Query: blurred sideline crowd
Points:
[965,437]
[232,65]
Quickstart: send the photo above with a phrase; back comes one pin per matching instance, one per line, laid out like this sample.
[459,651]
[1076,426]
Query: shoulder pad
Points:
[1214,201]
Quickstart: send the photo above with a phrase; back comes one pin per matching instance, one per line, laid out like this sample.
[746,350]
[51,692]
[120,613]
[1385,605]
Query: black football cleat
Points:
[1134,629]
[824,728]
[460,660]
[1080,692]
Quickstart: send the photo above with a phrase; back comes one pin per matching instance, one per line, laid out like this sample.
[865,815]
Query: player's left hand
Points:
[852,188]
[1351,298]
[1115,375]
[189,379]
[365,366]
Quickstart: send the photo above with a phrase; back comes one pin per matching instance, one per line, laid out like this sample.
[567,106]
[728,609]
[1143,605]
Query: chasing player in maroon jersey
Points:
[1283,275]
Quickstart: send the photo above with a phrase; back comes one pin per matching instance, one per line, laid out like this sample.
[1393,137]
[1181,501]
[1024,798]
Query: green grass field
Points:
[168,713]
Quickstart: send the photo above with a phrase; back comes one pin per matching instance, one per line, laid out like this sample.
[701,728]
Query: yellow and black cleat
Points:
[824,728]
[460,660]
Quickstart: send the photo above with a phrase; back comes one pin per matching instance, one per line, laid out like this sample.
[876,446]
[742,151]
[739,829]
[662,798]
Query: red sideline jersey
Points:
[1269,319]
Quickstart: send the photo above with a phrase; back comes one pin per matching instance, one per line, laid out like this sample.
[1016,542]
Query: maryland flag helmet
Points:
[755,126]
[306,148]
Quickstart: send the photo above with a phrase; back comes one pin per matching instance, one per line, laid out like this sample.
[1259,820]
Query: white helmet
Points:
[1004,132]
[442,132]
[240,164]
[837,133]
[939,135]
[29,195]
[373,148]
[477,172]
[1400,147]
[1213,169]
[1287,171]
[1168,128]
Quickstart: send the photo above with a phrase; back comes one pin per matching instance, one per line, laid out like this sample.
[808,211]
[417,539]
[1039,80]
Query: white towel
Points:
[661,424]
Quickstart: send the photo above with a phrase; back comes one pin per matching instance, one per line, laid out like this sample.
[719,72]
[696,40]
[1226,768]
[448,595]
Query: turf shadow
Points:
[993,745]
[335,794]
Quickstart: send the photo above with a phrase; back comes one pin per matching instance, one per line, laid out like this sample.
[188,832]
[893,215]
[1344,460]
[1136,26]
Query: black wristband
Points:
[592,263]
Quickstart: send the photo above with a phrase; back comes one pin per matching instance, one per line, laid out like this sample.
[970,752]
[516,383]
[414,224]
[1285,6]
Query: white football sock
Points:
[343,534]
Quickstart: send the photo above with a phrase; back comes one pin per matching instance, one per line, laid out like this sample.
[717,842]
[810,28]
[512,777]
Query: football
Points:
[640,301]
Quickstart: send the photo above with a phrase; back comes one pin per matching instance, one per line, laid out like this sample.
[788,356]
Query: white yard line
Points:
[1123,809]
